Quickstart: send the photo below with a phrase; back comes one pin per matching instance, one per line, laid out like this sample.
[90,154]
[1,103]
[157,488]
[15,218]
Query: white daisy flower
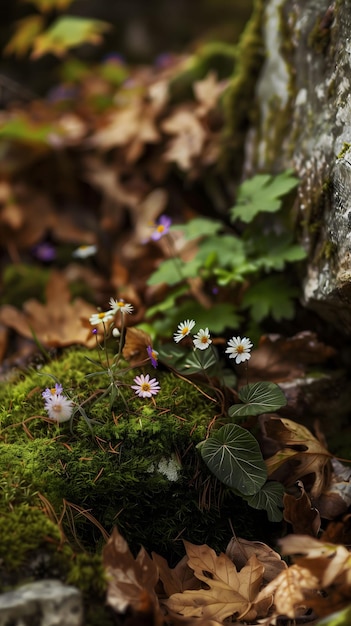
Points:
[239,349]
[101,318]
[120,305]
[145,387]
[202,339]
[83,252]
[183,330]
[59,408]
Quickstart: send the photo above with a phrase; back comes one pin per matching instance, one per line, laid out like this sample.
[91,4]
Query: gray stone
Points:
[304,101]
[42,603]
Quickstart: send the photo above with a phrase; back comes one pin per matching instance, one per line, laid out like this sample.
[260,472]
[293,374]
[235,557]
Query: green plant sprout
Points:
[241,269]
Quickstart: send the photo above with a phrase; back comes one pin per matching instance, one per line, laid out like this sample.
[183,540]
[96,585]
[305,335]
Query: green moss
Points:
[23,530]
[344,150]
[22,282]
[320,35]
[113,472]
[239,101]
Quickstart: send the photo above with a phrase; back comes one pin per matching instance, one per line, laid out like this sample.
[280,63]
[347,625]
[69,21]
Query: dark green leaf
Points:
[269,498]
[198,227]
[262,193]
[270,296]
[233,455]
[262,397]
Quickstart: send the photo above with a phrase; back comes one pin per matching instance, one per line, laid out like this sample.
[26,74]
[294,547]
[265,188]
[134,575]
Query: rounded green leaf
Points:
[258,398]
[269,498]
[233,455]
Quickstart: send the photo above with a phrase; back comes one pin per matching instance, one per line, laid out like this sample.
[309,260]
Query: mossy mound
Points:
[137,469]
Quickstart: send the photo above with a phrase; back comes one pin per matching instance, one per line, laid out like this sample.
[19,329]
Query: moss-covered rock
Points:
[137,468]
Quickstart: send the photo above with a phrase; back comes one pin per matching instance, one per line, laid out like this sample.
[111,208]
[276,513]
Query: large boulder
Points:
[304,122]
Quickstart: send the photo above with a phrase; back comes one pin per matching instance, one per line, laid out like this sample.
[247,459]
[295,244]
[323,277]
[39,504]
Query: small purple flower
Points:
[44,252]
[161,227]
[48,393]
[152,356]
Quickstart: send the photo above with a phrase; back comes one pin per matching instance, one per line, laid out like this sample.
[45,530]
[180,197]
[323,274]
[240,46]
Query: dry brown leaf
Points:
[189,138]
[290,589]
[338,531]
[300,513]
[131,581]
[207,92]
[178,578]
[58,322]
[336,498]
[325,560]
[279,358]
[3,341]
[240,550]
[135,345]
[296,442]
[229,592]
[329,565]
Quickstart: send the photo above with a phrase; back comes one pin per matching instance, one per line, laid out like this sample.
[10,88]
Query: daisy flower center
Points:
[145,386]
[185,330]
[57,408]
[204,339]
[121,303]
[101,315]
[240,349]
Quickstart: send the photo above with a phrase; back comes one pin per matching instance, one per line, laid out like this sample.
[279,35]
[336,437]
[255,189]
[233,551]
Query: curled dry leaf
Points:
[299,512]
[290,590]
[240,550]
[336,498]
[131,581]
[297,444]
[329,566]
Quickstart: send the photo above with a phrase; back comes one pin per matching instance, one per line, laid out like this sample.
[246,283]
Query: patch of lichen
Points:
[110,476]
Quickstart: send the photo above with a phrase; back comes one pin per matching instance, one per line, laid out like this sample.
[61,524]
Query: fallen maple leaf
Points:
[229,592]
[58,322]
